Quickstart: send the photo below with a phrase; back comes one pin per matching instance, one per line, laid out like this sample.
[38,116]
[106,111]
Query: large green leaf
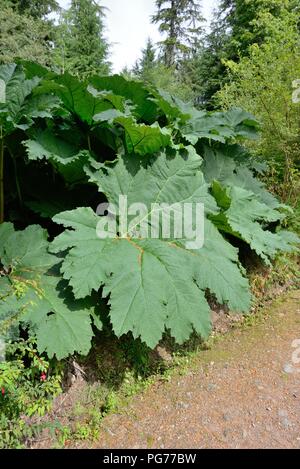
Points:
[13,300]
[220,164]
[143,139]
[25,253]
[67,158]
[31,292]
[19,106]
[151,281]
[76,97]
[146,281]
[172,107]
[33,69]
[172,180]
[220,126]
[62,325]
[244,216]
[134,91]
[169,179]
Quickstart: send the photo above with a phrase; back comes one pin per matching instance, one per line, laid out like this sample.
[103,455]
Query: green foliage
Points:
[81,48]
[206,71]
[144,66]
[60,324]
[38,9]
[169,79]
[181,25]
[23,37]
[93,142]
[262,84]
[241,212]
[151,69]
[62,154]
[76,44]
[142,139]
[159,284]
[220,127]
[250,25]
[18,108]
[237,26]
[236,171]
[27,391]
[181,22]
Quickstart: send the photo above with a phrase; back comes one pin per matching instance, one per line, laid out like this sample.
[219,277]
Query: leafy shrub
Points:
[262,83]
[26,391]
[74,144]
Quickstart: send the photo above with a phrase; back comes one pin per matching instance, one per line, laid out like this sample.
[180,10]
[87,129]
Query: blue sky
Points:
[128,27]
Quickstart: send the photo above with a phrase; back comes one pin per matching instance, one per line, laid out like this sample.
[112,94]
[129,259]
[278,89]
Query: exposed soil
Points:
[244,393]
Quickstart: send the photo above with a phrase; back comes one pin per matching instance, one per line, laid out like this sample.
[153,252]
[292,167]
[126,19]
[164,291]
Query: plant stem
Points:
[16,179]
[1,178]
[89,142]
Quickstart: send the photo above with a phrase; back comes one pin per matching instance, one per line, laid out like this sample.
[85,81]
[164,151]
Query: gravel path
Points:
[244,393]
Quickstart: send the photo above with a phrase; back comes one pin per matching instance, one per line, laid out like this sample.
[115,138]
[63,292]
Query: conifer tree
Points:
[81,46]
[38,9]
[181,22]
[24,34]
[147,61]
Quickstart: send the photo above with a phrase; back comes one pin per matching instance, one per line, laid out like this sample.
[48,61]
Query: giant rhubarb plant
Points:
[79,144]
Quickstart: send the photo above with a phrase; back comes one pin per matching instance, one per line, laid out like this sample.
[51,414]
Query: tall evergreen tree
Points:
[147,61]
[38,9]
[207,70]
[81,46]
[21,37]
[24,36]
[181,22]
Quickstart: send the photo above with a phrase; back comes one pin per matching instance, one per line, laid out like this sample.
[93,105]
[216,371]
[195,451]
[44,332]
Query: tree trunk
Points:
[170,49]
